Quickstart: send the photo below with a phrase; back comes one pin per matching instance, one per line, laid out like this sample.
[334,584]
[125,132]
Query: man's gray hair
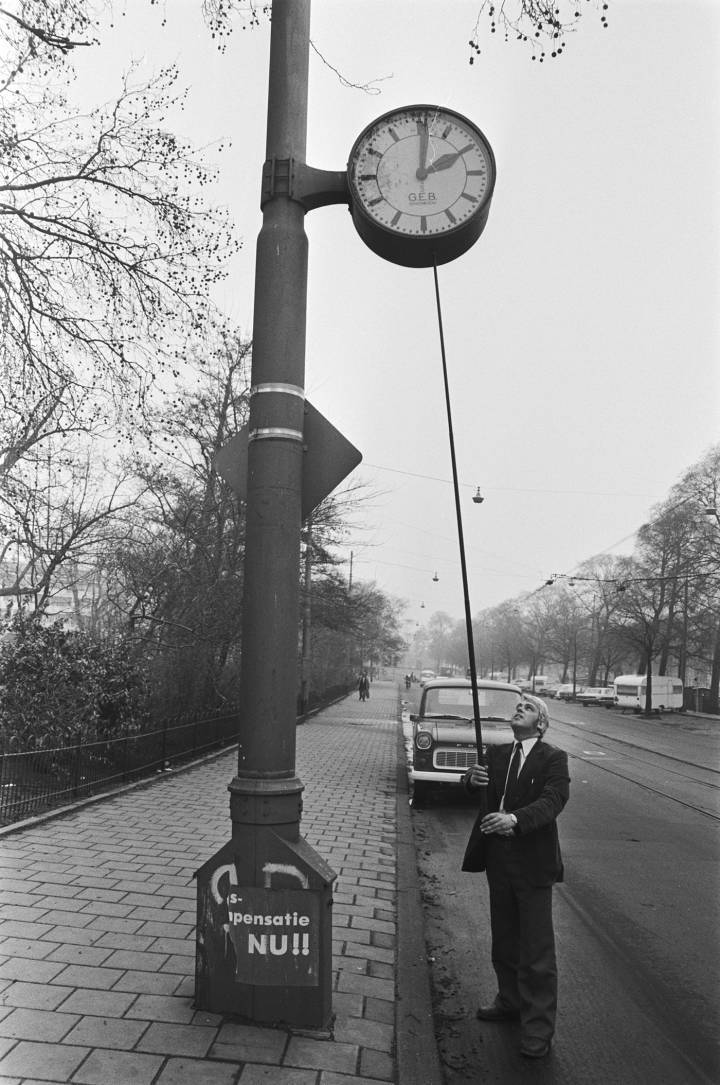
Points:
[542,709]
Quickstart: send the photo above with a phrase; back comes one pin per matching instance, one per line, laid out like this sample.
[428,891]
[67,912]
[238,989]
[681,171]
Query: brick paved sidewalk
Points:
[97,946]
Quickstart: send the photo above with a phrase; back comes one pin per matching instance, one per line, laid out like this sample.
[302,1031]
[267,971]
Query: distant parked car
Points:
[568,692]
[603,695]
[444,740]
[426,676]
[537,685]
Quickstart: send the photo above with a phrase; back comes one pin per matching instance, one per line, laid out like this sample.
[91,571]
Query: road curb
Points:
[418,1062]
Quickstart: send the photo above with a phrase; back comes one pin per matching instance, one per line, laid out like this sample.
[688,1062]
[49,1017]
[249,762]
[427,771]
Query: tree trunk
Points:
[648,684]
[713,699]
[648,695]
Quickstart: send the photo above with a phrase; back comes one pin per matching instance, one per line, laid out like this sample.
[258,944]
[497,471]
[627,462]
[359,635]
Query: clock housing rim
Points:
[412,250]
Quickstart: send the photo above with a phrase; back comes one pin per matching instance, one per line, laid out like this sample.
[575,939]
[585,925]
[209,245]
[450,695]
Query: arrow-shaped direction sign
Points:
[328,458]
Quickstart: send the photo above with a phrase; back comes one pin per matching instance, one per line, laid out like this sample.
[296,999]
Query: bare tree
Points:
[545,26]
[440,628]
[506,630]
[107,252]
[47,28]
[177,578]
[566,631]
[55,521]
[697,495]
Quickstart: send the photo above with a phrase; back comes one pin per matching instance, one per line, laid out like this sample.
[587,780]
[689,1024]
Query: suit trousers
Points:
[523,940]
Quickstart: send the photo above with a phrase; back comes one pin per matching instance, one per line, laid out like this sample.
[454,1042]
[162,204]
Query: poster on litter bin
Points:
[275,934]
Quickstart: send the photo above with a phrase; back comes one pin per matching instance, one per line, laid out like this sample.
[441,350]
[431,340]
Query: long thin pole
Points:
[461,537]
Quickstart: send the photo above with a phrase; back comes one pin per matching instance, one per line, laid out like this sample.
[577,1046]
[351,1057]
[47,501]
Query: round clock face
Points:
[422,173]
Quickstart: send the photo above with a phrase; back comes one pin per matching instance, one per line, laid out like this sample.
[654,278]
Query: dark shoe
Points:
[498,1011]
[535,1048]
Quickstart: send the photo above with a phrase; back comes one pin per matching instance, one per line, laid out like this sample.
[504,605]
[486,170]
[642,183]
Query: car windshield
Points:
[495,704]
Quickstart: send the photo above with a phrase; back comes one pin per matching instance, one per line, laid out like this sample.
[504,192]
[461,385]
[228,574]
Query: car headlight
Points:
[423,740]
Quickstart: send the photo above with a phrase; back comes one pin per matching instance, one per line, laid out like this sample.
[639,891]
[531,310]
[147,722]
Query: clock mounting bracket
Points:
[305,184]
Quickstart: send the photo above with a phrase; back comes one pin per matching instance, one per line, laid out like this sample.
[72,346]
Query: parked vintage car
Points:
[568,692]
[602,695]
[443,735]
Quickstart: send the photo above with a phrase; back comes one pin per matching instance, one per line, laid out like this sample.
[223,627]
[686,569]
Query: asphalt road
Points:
[636,918]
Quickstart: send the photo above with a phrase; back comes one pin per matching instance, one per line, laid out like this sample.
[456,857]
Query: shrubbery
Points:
[58,686]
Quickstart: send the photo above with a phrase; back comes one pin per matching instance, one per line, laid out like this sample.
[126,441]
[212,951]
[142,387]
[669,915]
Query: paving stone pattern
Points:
[97,925]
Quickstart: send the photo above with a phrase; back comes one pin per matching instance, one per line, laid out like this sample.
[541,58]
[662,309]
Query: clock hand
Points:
[444,162]
[421,172]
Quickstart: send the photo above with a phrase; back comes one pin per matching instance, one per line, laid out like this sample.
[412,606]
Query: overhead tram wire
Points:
[508,489]
[623,581]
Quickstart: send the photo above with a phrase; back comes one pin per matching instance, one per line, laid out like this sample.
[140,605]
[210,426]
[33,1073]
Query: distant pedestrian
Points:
[363,687]
[516,844]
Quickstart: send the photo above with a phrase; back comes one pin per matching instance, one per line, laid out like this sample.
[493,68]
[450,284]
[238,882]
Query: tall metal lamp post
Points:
[264,922]
[418,182]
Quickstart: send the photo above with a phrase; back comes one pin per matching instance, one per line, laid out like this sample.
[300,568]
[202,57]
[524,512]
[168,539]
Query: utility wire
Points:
[507,489]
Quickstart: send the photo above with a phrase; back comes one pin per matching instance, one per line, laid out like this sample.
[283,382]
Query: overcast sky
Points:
[582,328]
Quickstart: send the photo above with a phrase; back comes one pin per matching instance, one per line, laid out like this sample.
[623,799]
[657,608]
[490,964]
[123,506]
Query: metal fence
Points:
[34,781]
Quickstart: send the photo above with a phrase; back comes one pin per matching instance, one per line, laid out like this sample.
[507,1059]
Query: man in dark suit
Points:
[516,844]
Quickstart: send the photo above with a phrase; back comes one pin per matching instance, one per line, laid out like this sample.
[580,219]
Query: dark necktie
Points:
[513,772]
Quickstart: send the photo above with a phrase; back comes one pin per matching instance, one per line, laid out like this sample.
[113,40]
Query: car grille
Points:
[454,758]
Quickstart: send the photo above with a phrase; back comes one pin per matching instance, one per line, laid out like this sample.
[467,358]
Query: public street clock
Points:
[421,179]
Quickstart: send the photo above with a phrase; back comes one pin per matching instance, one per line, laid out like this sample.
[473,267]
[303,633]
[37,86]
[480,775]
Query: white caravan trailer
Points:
[540,681]
[631,690]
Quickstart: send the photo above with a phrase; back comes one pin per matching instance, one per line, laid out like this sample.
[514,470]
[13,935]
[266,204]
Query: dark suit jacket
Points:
[542,789]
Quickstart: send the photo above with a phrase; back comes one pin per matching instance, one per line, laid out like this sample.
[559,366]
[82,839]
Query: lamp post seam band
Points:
[288,389]
[275,433]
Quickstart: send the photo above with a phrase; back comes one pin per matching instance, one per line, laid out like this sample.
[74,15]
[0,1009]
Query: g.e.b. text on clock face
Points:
[421,172]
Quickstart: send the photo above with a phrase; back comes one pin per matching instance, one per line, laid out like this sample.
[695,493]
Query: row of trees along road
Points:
[655,611]
[119,380]
[152,570]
